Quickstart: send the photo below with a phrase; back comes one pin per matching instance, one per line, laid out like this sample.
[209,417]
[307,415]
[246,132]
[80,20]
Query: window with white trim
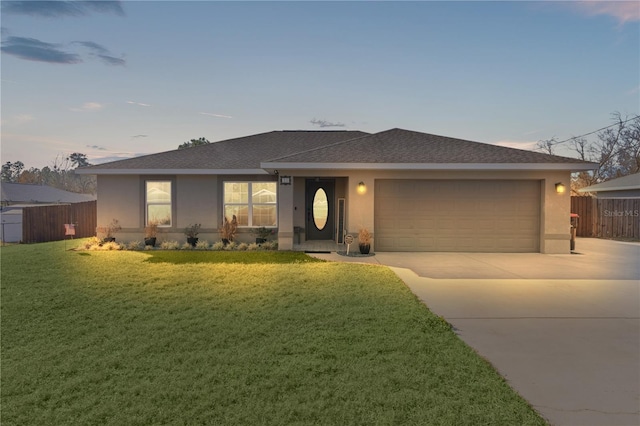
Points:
[254,204]
[158,202]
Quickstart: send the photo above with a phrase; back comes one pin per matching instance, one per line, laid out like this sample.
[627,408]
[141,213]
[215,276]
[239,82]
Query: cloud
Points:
[101,52]
[634,91]
[32,49]
[88,106]
[325,123]
[111,60]
[526,145]
[139,136]
[215,115]
[623,11]
[99,148]
[138,103]
[18,119]
[55,9]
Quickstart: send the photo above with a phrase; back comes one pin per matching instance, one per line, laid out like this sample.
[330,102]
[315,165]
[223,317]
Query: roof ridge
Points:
[318,131]
[321,147]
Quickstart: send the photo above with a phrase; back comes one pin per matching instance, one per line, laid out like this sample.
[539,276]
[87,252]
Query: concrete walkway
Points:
[563,330]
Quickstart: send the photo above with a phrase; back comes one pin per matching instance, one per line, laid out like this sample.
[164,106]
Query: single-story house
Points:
[32,194]
[622,187]
[17,196]
[413,191]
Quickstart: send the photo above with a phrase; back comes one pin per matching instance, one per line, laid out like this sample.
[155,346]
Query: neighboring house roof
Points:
[391,149]
[230,156]
[28,193]
[625,183]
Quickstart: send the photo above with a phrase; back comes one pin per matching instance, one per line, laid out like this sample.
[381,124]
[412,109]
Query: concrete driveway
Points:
[564,330]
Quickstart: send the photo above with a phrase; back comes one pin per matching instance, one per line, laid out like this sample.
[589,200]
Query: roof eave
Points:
[171,171]
[613,188]
[573,167]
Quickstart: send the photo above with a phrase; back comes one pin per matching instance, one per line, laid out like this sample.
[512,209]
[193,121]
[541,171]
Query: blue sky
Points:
[118,79]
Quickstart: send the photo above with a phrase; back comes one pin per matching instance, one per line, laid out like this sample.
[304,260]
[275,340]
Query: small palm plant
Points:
[229,229]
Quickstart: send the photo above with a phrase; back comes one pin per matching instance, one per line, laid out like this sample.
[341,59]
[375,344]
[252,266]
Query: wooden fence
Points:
[46,223]
[607,218]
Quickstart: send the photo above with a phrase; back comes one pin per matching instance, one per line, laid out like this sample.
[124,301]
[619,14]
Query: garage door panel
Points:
[457,215]
[423,223]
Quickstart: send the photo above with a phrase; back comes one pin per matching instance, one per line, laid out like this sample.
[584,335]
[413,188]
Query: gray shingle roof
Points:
[397,146]
[25,193]
[243,153]
[340,148]
[624,183]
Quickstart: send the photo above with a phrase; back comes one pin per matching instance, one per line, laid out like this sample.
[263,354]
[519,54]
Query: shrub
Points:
[169,245]
[231,246]
[111,246]
[242,246]
[202,245]
[108,231]
[219,245]
[192,231]
[135,245]
[186,246]
[270,245]
[364,236]
[253,247]
[263,232]
[151,230]
[229,229]
[87,245]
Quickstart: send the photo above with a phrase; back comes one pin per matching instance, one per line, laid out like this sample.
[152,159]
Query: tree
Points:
[615,149]
[194,142]
[79,160]
[11,171]
[61,175]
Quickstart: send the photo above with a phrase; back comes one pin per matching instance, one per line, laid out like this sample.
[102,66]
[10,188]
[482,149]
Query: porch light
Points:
[362,188]
[560,188]
[285,180]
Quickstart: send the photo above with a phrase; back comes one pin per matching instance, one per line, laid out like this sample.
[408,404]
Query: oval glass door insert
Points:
[320,209]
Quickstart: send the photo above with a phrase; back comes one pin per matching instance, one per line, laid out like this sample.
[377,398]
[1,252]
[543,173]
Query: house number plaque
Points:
[348,240]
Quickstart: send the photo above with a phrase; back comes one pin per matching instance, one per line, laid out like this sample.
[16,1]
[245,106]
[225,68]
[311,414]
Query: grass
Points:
[139,338]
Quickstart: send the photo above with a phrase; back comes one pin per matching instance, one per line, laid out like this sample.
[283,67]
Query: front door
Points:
[320,209]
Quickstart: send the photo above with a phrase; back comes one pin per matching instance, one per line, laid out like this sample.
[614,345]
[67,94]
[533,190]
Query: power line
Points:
[595,131]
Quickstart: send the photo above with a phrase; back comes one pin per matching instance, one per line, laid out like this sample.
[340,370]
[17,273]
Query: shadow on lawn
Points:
[180,257]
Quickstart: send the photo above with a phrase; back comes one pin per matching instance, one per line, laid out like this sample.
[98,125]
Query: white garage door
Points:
[457,215]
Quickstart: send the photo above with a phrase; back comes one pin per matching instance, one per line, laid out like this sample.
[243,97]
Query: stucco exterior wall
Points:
[123,198]
[119,198]
[198,199]
[554,215]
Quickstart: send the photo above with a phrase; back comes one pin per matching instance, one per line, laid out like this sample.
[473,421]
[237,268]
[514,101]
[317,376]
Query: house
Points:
[414,191]
[15,197]
[623,187]
[31,194]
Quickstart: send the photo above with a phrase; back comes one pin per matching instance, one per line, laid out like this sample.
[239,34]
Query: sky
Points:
[115,79]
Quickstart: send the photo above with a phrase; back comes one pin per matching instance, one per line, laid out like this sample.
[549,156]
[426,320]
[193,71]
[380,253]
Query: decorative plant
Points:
[151,230]
[364,237]
[262,232]
[192,231]
[202,245]
[107,232]
[364,240]
[229,228]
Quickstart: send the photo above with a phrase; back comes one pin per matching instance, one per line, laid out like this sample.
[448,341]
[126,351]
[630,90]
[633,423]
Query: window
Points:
[253,203]
[158,202]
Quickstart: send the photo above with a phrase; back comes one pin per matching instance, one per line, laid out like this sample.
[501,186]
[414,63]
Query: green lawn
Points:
[141,338]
